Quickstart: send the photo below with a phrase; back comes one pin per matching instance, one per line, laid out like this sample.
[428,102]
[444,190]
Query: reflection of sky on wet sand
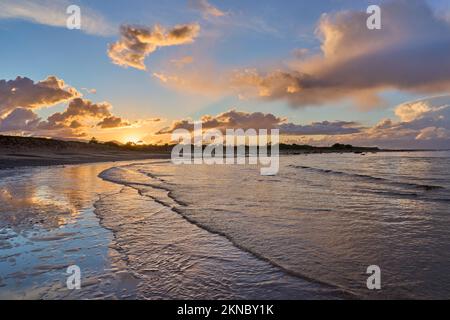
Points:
[51,198]
[47,222]
[30,205]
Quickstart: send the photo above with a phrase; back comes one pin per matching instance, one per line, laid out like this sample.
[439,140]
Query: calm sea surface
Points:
[154,230]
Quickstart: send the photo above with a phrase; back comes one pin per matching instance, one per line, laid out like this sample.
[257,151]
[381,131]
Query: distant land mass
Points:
[18,151]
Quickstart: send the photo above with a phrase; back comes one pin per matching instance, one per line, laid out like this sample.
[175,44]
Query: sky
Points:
[137,70]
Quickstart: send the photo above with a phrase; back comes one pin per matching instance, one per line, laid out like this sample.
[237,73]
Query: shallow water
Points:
[154,230]
[47,223]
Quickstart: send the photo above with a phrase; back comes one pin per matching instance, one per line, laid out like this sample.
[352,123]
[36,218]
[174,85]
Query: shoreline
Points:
[10,159]
[18,152]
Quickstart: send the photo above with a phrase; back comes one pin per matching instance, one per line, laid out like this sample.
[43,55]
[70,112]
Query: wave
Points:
[112,176]
[424,187]
[119,175]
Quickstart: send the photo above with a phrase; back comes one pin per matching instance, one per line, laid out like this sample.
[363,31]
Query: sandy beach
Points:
[22,156]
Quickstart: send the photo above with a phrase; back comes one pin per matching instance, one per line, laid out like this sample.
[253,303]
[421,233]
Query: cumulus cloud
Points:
[24,92]
[53,13]
[80,115]
[257,120]
[229,120]
[20,97]
[136,42]
[79,109]
[26,122]
[206,8]
[421,124]
[412,110]
[20,119]
[411,52]
[113,122]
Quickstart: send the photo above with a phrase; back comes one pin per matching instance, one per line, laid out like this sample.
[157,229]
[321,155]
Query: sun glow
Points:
[132,138]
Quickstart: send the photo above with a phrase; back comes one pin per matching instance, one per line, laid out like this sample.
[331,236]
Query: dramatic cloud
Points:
[136,43]
[79,116]
[19,120]
[420,124]
[411,52]
[24,92]
[80,108]
[229,120]
[53,13]
[27,122]
[412,110]
[113,122]
[423,124]
[19,98]
[80,112]
[206,8]
[244,120]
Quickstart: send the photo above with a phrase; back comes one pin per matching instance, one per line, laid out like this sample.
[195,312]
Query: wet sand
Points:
[48,223]
[13,158]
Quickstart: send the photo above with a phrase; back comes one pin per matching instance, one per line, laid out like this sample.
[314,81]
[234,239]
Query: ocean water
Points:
[153,230]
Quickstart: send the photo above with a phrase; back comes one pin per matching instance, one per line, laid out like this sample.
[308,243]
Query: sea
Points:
[156,230]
